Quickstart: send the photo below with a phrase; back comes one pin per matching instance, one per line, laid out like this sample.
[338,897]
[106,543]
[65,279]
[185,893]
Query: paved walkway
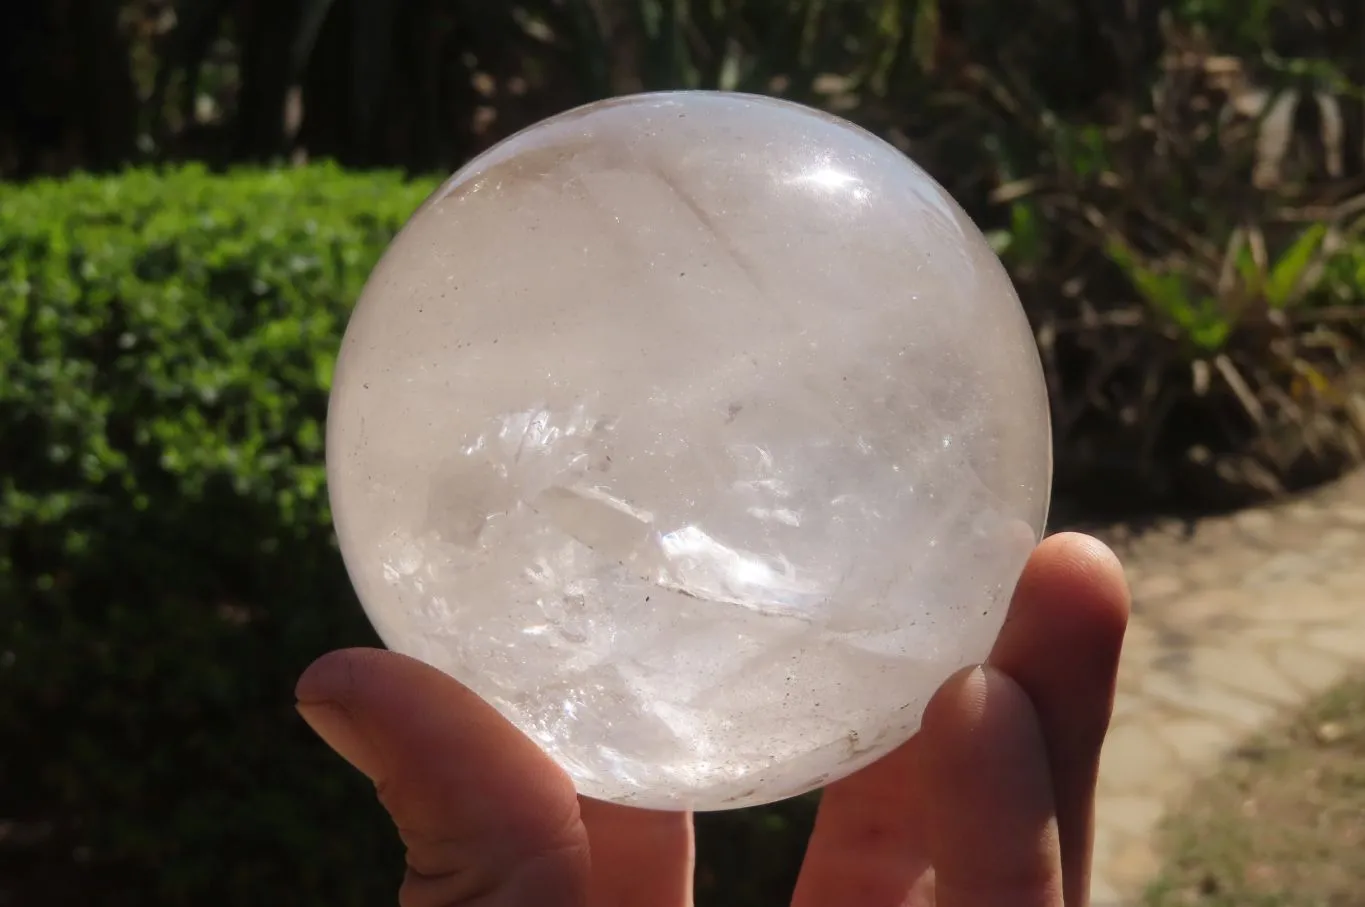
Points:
[1234,619]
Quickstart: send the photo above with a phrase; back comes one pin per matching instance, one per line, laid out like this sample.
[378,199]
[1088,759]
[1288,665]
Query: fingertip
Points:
[438,736]
[332,677]
[1083,555]
[978,706]
[479,804]
[1079,566]
[1072,597]
[994,836]
[958,700]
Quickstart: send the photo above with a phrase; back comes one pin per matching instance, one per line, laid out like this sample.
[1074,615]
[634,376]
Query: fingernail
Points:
[336,728]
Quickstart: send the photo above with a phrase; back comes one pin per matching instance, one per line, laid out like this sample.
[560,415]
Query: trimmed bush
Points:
[167,563]
[166,559]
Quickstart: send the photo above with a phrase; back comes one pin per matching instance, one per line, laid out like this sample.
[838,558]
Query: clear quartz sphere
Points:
[701,434]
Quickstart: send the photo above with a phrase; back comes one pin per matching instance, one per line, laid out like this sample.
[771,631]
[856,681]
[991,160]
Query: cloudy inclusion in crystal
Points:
[701,434]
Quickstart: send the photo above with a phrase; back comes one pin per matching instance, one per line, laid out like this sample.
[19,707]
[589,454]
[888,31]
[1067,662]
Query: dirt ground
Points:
[1281,823]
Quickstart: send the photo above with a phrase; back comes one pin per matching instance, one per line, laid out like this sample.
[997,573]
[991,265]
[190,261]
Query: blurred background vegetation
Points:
[194,191]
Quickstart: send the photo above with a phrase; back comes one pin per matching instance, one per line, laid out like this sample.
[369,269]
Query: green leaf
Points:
[925,34]
[1285,281]
[1172,294]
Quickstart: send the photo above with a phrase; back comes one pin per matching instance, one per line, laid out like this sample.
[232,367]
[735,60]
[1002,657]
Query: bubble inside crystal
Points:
[701,434]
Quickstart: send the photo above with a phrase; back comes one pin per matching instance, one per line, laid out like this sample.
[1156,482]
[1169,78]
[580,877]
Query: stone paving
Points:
[1235,619]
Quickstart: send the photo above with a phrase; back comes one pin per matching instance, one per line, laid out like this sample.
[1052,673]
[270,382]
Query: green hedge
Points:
[166,559]
[167,565]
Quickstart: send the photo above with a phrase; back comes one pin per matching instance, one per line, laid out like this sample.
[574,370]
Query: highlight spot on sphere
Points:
[701,434]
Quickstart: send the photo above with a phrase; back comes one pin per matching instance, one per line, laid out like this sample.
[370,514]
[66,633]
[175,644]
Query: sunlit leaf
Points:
[1173,295]
[1285,281]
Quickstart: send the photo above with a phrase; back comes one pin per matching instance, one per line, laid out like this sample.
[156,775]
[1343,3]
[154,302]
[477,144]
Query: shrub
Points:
[166,559]
[1094,139]
[167,565]
[1192,267]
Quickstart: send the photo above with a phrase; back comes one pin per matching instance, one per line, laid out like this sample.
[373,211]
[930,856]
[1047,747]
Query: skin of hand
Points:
[991,803]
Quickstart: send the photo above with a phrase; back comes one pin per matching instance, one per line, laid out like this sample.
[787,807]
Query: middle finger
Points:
[640,857]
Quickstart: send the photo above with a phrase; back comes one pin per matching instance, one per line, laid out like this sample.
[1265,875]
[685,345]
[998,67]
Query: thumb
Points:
[485,815]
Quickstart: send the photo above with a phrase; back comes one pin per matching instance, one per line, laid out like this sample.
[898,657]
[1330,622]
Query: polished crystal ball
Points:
[701,434]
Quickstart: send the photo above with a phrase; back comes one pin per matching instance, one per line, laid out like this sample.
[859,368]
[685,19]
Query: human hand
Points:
[991,803]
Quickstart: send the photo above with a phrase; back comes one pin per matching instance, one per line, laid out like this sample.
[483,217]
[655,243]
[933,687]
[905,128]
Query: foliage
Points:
[167,565]
[1183,249]
[1160,177]
[166,562]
